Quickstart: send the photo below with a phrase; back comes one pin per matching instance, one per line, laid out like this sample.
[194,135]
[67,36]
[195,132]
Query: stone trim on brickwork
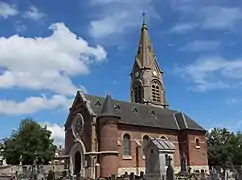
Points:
[127,157]
[108,152]
[101,152]
[125,132]
[198,142]
[163,137]
[78,146]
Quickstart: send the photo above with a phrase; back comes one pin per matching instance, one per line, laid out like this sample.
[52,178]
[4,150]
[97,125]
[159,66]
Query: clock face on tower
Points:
[77,126]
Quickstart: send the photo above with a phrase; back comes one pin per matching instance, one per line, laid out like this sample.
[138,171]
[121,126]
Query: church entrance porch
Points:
[77,159]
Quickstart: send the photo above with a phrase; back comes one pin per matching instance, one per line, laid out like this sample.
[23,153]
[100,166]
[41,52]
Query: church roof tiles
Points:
[160,118]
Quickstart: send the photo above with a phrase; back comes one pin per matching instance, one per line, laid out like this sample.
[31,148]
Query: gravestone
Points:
[40,176]
[51,175]
[226,175]
[184,169]
[239,176]
[203,175]
[131,176]
[170,170]
[214,174]
[141,175]
[157,153]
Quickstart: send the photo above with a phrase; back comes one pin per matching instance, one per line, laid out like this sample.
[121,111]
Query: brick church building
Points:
[107,136]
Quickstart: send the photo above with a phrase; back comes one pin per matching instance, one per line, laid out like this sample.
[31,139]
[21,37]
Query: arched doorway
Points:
[77,158]
[77,167]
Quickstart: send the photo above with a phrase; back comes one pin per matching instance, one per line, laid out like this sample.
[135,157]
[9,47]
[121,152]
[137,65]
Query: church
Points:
[105,136]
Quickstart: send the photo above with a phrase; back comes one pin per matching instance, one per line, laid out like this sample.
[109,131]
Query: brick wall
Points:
[86,135]
[108,144]
[137,157]
[197,154]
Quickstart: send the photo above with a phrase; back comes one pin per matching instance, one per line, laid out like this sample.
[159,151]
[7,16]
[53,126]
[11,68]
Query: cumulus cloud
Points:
[47,63]
[118,16]
[33,14]
[58,133]
[7,10]
[34,104]
[209,73]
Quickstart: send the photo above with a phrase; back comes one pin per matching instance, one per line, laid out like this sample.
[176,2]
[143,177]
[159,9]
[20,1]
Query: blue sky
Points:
[49,49]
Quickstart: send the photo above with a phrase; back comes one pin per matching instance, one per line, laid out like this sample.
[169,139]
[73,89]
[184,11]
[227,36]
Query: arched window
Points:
[197,142]
[145,141]
[163,138]
[137,92]
[126,145]
[156,91]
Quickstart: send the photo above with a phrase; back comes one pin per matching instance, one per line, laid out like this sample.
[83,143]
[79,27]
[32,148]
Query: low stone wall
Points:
[11,170]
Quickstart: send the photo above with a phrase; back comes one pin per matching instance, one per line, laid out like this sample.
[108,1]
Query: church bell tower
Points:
[147,86]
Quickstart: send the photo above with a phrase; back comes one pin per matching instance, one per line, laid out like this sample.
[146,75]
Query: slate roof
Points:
[108,108]
[145,115]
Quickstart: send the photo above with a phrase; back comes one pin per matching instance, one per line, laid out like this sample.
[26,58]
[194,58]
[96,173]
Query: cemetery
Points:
[159,166]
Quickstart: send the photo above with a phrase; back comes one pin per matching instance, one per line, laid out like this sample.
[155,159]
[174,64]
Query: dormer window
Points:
[117,106]
[97,103]
[135,109]
[152,112]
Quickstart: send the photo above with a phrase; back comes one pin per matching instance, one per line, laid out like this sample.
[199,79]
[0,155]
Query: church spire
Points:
[146,54]
[147,78]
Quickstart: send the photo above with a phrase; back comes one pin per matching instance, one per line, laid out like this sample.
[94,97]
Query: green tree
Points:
[224,147]
[235,148]
[218,147]
[29,143]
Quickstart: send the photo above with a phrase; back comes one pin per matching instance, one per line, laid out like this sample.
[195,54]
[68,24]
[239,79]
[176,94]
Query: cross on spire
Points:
[143,14]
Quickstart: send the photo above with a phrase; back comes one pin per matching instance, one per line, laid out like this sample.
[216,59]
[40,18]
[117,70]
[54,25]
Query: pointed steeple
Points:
[108,108]
[145,55]
[147,84]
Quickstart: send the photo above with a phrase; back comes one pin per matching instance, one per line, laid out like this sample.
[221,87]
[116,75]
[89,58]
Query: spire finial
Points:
[143,14]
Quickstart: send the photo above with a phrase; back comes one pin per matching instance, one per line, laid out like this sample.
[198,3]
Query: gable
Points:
[80,105]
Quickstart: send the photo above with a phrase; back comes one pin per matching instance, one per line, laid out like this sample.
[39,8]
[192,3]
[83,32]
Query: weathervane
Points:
[143,14]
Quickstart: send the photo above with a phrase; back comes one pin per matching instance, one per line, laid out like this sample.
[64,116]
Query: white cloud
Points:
[33,13]
[183,27]
[216,17]
[209,15]
[7,10]
[232,125]
[119,16]
[47,63]
[33,104]
[201,45]
[213,73]
[58,133]
[232,101]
